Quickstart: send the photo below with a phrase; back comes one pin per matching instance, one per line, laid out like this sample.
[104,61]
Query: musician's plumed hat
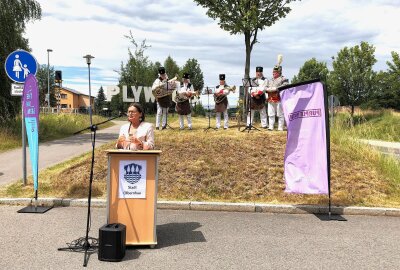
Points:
[259,69]
[278,66]
[161,70]
[186,75]
[222,77]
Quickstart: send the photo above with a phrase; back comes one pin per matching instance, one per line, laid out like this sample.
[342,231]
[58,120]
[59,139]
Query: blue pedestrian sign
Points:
[19,64]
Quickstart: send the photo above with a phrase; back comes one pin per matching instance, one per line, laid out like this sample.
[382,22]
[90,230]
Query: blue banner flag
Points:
[30,106]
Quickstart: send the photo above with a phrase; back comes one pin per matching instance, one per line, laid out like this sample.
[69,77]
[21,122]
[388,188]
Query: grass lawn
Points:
[377,125]
[227,165]
[51,127]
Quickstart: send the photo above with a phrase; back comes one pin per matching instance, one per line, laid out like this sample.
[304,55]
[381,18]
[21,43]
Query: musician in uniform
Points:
[221,102]
[182,98]
[274,100]
[164,101]
[257,102]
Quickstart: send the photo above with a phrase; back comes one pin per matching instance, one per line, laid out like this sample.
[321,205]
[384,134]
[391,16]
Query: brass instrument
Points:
[162,90]
[182,97]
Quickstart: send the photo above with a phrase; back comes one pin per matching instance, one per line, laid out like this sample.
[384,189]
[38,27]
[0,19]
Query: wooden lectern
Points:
[132,193]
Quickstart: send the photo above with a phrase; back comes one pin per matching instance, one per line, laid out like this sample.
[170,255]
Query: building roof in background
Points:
[74,91]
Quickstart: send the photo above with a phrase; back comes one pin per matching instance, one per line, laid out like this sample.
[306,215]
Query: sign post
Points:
[18,65]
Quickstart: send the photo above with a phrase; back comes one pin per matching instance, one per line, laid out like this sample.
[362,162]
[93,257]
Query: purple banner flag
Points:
[306,160]
[30,106]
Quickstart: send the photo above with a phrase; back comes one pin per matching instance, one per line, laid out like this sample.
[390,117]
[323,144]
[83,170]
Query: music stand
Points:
[208,92]
[248,82]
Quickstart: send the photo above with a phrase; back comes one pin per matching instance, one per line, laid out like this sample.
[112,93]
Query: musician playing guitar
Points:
[182,107]
[221,102]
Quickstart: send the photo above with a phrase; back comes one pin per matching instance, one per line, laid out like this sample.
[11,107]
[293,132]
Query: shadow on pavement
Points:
[321,212]
[172,234]
[333,217]
[131,253]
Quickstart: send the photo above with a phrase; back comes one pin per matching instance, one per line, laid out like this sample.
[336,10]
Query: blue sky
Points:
[179,28]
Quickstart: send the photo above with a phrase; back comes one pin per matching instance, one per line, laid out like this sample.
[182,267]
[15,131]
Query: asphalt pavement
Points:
[207,240]
[54,152]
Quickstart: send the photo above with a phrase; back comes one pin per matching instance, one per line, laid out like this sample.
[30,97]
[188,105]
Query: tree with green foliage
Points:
[42,77]
[138,71]
[154,67]
[198,109]
[196,75]
[100,102]
[312,69]
[14,14]
[171,67]
[394,81]
[352,78]
[386,90]
[117,105]
[246,17]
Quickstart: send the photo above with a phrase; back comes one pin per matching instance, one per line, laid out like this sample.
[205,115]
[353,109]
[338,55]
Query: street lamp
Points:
[88,62]
[48,78]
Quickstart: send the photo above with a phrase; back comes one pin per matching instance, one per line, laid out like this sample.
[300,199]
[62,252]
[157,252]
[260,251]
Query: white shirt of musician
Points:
[261,88]
[184,88]
[156,83]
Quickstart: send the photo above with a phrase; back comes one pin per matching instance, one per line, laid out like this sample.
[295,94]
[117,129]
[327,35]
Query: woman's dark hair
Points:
[138,107]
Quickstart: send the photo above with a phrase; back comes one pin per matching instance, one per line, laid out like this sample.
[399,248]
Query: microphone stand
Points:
[209,112]
[246,82]
[87,244]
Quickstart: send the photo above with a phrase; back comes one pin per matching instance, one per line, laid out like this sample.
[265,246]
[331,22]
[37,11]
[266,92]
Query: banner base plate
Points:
[35,210]
[331,217]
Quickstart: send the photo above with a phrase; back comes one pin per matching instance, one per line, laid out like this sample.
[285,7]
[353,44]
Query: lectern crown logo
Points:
[132,173]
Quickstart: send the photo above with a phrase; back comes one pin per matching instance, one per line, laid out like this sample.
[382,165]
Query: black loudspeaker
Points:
[58,76]
[112,239]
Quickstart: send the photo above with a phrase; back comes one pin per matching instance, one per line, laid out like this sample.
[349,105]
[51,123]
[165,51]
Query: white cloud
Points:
[314,28]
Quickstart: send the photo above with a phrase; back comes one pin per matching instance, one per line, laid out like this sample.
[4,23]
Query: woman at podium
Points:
[137,134]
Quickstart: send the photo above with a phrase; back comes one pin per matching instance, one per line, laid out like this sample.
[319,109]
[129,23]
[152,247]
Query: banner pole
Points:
[36,196]
[328,146]
[23,137]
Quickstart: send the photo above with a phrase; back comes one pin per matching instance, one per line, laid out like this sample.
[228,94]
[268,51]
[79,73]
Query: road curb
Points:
[220,206]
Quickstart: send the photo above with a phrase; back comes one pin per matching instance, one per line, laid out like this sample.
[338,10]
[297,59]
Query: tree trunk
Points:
[248,53]
[246,70]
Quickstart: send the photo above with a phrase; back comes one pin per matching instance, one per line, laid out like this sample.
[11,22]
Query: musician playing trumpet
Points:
[258,98]
[221,102]
[182,107]
[164,102]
